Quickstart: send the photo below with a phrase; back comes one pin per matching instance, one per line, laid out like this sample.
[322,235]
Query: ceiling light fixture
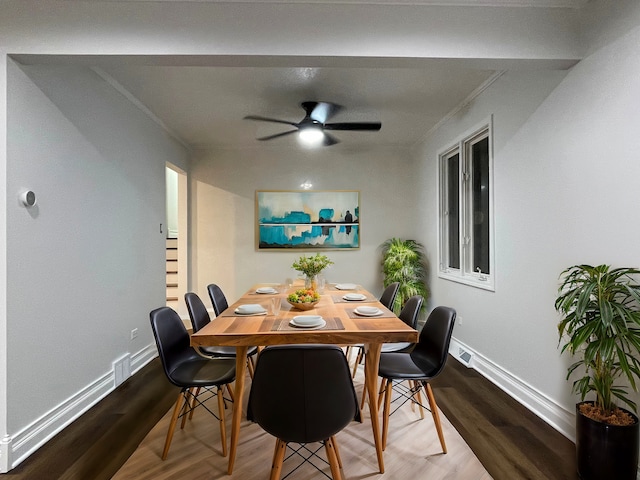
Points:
[306,185]
[311,136]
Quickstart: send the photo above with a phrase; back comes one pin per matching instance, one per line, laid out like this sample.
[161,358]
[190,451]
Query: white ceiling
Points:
[205,106]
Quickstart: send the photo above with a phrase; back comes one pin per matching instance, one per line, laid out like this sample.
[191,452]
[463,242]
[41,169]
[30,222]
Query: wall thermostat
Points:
[28,198]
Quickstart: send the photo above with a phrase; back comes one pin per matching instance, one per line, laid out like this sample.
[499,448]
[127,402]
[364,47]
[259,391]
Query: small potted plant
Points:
[600,325]
[310,267]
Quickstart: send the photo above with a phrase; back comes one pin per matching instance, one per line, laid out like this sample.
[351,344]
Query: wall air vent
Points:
[465,357]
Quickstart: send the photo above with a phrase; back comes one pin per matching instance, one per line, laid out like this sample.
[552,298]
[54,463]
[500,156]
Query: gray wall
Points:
[87,262]
[223,185]
[566,192]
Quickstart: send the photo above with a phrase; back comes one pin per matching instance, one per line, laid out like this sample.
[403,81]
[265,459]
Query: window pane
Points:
[480,205]
[453,209]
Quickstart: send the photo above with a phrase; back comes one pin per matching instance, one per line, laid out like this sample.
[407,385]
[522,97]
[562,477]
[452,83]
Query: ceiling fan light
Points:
[311,136]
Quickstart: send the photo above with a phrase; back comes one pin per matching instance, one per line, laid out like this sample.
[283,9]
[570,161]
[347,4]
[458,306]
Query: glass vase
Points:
[310,281]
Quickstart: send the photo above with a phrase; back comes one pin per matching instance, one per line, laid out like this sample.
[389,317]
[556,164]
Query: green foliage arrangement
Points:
[312,265]
[403,261]
[601,323]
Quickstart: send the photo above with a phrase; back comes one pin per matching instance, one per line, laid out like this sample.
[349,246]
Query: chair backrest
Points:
[410,311]
[172,340]
[432,349]
[389,294]
[302,393]
[218,300]
[197,311]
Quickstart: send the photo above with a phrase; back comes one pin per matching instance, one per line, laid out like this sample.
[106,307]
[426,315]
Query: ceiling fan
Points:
[315,122]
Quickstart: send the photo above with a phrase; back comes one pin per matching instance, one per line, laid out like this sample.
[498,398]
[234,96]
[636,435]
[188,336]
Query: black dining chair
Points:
[218,299]
[199,378]
[303,394]
[408,315]
[423,363]
[199,317]
[387,299]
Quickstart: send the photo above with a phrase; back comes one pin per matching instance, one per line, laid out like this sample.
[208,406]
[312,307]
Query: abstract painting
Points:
[308,219]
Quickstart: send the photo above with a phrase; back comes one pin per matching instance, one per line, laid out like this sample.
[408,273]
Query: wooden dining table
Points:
[343,327]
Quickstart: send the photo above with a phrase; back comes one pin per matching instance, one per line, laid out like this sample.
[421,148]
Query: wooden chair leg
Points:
[223,428]
[364,391]
[189,404]
[250,366]
[230,392]
[347,353]
[278,458]
[357,362]
[335,445]
[192,406]
[435,415]
[383,387]
[417,385]
[387,408]
[172,425]
[330,448]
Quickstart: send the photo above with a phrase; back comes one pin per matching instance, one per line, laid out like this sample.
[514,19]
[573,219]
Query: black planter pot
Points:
[606,452]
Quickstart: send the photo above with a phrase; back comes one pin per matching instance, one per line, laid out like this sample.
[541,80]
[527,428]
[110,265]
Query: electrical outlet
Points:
[459,320]
[134,333]
[121,369]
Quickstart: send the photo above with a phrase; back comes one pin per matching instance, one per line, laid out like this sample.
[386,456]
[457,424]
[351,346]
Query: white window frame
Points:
[465,273]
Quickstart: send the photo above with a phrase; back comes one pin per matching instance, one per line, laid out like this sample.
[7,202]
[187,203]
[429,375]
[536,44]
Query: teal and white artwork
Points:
[308,219]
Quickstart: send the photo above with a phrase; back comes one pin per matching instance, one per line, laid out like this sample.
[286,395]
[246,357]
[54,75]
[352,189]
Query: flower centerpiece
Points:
[311,266]
[304,299]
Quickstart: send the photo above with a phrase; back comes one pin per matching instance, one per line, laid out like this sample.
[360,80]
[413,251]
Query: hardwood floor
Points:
[123,435]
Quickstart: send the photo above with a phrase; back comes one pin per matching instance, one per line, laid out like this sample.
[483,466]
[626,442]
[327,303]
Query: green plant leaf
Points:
[600,310]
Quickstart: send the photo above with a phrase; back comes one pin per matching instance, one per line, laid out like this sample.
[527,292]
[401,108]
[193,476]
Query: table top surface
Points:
[343,325]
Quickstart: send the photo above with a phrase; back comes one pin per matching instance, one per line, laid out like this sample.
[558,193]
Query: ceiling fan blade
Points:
[369,126]
[267,119]
[320,111]
[271,137]
[329,140]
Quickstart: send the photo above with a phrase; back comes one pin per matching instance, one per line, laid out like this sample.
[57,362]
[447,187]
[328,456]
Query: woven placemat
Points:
[339,299]
[385,314]
[281,325]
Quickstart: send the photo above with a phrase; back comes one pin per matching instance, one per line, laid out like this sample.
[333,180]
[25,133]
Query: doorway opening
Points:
[176,242]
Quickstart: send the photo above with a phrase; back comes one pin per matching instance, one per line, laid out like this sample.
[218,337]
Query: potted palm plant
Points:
[600,325]
[403,261]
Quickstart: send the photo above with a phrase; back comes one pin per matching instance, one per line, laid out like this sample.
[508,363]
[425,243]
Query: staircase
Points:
[172,273]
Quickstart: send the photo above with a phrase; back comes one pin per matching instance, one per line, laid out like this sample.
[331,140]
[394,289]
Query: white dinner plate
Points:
[368,311]
[346,286]
[244,314]
[266,290]
[320,324]
[354,297]
[250,309]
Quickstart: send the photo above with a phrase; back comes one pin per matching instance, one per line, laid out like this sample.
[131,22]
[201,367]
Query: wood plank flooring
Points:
[498,438]
[413,451]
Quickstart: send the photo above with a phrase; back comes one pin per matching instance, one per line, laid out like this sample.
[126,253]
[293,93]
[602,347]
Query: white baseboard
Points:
[555,415]
[17,447]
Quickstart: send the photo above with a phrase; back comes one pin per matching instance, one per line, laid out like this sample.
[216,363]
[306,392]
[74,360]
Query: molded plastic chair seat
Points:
[218,299]
[408,315]
[199,317]
[187,369]
[387,299]
[199,373]
[303,394]
[423,363]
